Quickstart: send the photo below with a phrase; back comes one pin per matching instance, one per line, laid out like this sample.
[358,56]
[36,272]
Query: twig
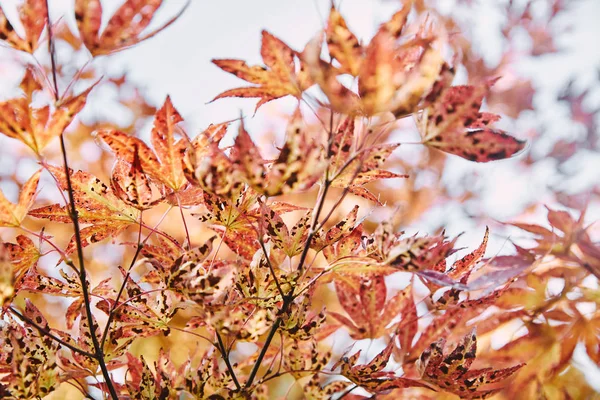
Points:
[262,245]
[111,313]
[225,355]
[47,332]
[75,218]
[289,298]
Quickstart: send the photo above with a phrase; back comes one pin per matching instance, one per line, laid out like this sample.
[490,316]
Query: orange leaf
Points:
[354,170]
[451,372]
[13,214]
[24,256]
[96,204]
[124,29]
[165,163]
[299,165]
[342,44]
[465,265]
[454,124]
[279,79]
[33,15]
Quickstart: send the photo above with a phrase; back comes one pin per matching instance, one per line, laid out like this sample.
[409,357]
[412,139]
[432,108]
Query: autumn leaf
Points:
[364,300]
[36,127]
[352,168]
[33,15]
[124,29]
[28,360]
[280,78]
[6,278]
[454,124]
[323,238]
[391,77]
[23,256]
[299,165]
[130,184]
[462,268]
[371,377]
[96,204]
[165,163]
[313,390]
[343,45]
[452,373]
[419,253]
[13,214]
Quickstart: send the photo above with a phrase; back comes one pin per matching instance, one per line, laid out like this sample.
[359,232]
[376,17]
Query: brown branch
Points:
[75,218]
[289,298]
[225,355]
[111,313]
[48,333]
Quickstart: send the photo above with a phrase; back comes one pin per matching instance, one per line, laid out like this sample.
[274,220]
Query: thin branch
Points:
[264,249]
[111,313]
[288,300]
[75,218]
[48,333]
[225,355]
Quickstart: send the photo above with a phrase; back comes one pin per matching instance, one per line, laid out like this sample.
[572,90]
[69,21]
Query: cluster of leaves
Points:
[273,273]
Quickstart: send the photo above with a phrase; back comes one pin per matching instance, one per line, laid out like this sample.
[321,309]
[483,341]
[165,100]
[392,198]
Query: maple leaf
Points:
[299,165]
[23,257]
[142,314]
[124,29]
[201,280]
[130,184]
[452,372]
[165,162]
[151,385]
[314,391]
[419,253]
[291,241]
[33,15]
[13,214]
[364,300]
[371,377]
[96,204]
[28,361]
[352,168]
[36,127]
[280,78]
[391,77]
[342,44]
[453,123]
[304,355]
[302,325]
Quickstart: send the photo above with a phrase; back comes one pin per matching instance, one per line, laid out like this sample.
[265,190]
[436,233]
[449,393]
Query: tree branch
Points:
[75,218]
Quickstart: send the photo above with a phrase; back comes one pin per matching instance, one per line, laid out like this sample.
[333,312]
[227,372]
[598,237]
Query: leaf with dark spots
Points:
[453,123]
[13,214]
[33,15]
[165,163]
[451,372]
[96,205]
[299,165]
[279,79]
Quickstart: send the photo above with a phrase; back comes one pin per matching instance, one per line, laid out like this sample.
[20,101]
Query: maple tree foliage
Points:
[233,274]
